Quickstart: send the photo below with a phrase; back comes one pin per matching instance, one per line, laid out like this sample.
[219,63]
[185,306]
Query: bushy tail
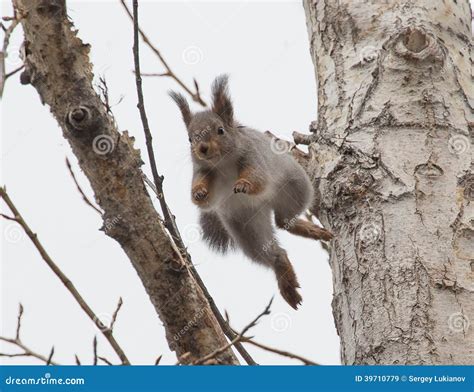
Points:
[214,233]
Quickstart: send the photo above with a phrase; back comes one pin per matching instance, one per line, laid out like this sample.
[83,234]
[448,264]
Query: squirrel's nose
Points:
[204,148]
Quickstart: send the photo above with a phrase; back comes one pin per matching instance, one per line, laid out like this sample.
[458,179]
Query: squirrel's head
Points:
[211,132]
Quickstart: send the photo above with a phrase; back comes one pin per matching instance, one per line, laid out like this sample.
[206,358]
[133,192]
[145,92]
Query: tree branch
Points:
[240,337]
[3,54]
[27,352]
[196,97]
[63,278]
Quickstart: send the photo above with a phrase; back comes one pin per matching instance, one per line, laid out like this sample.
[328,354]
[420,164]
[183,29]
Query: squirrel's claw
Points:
[200,194]
[242,186]
[289,293]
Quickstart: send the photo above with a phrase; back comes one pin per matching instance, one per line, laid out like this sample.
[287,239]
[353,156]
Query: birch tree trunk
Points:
[57,66]
[392,163]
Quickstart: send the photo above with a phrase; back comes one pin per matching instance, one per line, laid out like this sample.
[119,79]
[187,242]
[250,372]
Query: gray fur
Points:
[246,220]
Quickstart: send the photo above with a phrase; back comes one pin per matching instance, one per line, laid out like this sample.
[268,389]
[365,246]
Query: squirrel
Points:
[239,182]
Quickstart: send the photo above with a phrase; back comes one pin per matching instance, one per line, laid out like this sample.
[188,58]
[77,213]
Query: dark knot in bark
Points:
[81,118]
[415,44]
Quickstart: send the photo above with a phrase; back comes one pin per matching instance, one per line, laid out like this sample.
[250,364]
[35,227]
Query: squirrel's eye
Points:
[190,141]
[220,131]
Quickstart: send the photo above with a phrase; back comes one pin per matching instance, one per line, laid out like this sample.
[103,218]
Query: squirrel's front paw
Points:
[242,186]
[200,194]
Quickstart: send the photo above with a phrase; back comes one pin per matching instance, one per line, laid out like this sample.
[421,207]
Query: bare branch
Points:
[158,360]
[114,316]
[94,350]
[78,361]
[169,73]
[238,338]
[50,357]
[84,197]
[300,138]
[279,352]
[27,352]
[245,339]
[105,360]
[64,279]
[3,53]
[11,73]
[18,324]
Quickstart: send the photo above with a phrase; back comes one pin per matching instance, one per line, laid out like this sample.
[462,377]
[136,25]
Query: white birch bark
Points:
[392,162]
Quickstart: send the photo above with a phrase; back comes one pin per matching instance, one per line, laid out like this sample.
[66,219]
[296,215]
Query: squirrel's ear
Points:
[221,102]
[183,106]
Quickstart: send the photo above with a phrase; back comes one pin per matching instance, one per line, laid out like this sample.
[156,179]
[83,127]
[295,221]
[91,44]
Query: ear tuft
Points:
[221,102]
[183,106]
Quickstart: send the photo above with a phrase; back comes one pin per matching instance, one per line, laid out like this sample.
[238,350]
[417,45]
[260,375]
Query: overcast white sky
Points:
[264,47]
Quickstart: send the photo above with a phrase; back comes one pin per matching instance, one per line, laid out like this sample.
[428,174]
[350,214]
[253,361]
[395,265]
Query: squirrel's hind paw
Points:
[289,293]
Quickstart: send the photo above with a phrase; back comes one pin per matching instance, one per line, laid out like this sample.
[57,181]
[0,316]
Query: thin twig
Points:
[18,323]
[169,221]
[279,352]
[94,350]
[50,358]
[114,316]
[78,361]
[3,53]
[169,73]
[64,279]
[300,138]
[11,73]
[237,339]
[105,360]
[240,337]
[84,197]
[158,360]
[27,352]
